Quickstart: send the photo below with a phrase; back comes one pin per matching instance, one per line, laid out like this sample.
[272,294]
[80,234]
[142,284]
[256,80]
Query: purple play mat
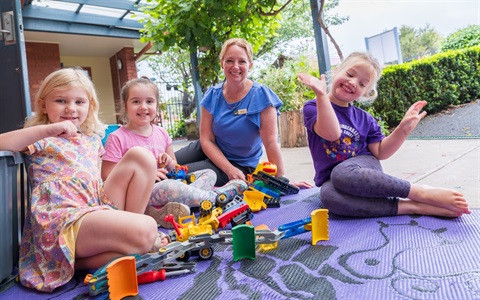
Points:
[405,257]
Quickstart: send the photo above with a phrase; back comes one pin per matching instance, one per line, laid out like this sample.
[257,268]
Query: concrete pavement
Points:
[452,163]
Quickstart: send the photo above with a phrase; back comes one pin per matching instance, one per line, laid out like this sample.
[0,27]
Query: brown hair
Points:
[124,93]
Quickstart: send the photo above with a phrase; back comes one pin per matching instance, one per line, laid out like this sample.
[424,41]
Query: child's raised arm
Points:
[327,125]
[20,139]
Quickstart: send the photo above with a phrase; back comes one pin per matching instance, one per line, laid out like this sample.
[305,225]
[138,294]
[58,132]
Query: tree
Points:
[172,66]
[205,24]
[462,38]
[416,43]
[325,19]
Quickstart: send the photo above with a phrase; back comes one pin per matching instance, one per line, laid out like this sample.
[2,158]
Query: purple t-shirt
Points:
[122,139]
[359,129]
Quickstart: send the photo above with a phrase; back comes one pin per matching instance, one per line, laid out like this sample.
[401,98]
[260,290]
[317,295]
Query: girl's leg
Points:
[102,237]
[444,198]
[171,190]
[130,183]
[362,177]
[204,179]
[344,204]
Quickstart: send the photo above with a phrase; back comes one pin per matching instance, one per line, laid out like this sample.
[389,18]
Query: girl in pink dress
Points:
[75,220]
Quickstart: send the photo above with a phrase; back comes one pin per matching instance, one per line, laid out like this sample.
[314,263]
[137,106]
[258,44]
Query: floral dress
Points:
[66,184]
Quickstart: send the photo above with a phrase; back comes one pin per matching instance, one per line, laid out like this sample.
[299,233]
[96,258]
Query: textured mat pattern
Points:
[406,257]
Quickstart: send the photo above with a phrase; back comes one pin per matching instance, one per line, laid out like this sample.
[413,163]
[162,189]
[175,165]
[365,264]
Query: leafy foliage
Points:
[284,82]
[417,43]
[206,24]
[444,79]
[462,38]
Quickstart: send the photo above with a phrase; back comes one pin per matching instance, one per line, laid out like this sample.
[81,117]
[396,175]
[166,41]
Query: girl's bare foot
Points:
[410,207]
[439,197]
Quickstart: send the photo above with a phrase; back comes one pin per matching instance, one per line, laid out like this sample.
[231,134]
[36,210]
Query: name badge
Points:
[240,112]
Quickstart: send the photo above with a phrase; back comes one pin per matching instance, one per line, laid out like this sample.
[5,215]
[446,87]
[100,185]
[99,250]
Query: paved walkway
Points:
[443,163]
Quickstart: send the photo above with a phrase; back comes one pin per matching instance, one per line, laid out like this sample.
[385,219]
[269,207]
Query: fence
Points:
[176,107]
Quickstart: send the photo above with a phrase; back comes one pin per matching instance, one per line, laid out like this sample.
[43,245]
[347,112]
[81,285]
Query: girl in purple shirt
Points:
[346,145]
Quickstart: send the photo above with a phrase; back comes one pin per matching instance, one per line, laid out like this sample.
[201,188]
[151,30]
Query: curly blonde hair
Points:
[64,79]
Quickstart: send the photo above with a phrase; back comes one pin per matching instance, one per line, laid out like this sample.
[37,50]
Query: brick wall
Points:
[42,59]
[121,76]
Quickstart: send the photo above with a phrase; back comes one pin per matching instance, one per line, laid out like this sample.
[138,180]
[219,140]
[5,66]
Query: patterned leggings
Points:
[359,188]
[172,190]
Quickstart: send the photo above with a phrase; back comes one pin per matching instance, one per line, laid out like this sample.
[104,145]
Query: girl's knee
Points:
[147,234]
[142,156]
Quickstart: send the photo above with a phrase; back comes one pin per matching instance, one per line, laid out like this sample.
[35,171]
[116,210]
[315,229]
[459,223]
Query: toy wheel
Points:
[205,253]
[206,207]
[222,199]
[191,178]
[185,256]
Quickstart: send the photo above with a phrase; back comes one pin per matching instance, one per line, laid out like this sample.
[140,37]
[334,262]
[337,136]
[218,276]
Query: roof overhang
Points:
[101,27]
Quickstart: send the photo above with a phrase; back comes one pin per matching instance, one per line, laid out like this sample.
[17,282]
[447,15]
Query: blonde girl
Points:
[346,144]
[76,221]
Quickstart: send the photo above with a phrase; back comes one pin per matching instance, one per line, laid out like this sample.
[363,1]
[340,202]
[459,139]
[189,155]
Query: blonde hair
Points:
[124,94]
[356,58]
[64,79]
[240,43]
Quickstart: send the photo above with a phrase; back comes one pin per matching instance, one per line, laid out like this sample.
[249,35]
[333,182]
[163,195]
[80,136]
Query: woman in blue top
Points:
[238,117]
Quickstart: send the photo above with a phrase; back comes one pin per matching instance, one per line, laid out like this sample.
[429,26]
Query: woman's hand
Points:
[302,184]
[235,173]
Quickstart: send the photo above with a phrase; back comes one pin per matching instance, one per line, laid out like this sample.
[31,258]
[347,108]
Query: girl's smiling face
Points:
[70,104]
[351,84]
[235,63]
[141,105]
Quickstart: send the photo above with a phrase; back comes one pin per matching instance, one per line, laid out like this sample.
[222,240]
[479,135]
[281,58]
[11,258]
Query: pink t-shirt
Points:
[122,139]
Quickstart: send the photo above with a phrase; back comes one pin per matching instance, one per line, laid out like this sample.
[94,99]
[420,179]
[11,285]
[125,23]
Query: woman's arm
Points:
[210,148]
[389,145]
[269,135]
[20,139]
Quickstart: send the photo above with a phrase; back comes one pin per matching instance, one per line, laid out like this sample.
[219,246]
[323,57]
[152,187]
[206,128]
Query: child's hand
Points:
[319,86]
[65,129]
[164,160]
[161,174]
[413,115]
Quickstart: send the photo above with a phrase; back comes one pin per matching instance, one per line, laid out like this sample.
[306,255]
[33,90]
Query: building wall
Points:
[100,72]
[42,59]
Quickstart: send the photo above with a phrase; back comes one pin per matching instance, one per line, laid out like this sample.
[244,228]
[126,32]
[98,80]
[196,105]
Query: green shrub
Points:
[445,79]
[285,83]
[462,38]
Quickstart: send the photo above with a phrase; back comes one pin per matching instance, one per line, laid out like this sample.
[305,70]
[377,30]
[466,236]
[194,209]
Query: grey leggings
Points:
[359,188]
